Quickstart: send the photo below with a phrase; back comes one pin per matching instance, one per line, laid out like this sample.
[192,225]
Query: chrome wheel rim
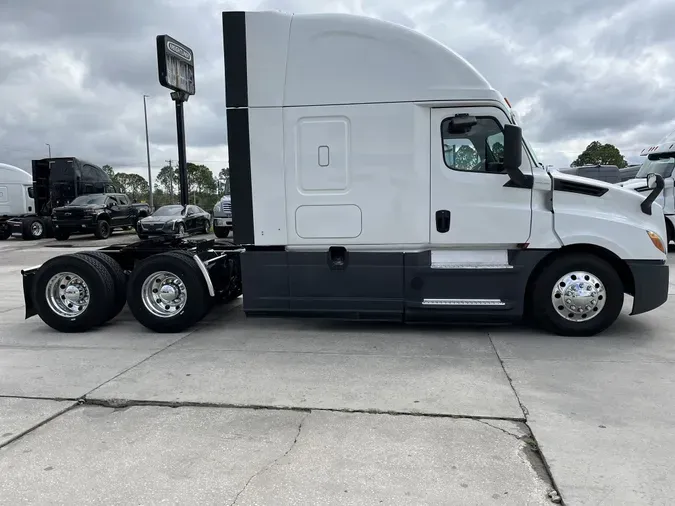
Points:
[578,296]
[67,295]
[164,294]
[36,229]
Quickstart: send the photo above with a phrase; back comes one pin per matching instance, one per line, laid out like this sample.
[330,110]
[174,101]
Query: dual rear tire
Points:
[166,292]
[74,293]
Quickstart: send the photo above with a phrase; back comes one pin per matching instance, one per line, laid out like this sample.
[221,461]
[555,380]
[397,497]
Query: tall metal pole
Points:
[180,98]
[147,150]
[50,149]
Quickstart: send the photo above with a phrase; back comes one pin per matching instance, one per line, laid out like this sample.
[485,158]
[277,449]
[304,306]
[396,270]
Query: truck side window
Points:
[123,200]
[31,192]
[481,149]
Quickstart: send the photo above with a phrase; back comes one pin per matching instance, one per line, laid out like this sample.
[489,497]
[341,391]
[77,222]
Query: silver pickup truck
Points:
[222,217]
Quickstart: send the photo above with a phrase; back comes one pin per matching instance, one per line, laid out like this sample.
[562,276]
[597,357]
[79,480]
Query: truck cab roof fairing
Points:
[331,59]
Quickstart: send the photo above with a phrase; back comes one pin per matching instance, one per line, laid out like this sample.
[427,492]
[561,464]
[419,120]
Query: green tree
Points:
[111,174]
[224,181]
[167,180]
[597,153]
[134,185]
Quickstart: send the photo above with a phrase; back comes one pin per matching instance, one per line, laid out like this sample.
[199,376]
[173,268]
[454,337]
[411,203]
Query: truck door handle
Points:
[443,221]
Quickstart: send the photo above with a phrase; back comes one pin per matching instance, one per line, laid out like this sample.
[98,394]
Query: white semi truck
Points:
[17,203]
[376,175]
[659,159]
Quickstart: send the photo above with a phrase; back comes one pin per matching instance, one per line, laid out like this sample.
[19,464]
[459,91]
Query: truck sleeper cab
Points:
[375,174]
[659,159]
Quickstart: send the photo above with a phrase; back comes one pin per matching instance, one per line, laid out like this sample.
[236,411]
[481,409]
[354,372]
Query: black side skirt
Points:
[390,286]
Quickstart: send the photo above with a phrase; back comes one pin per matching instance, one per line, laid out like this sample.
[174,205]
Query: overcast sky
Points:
[73,72]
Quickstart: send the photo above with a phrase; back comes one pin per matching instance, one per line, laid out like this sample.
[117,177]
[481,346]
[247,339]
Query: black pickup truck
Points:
[98,213]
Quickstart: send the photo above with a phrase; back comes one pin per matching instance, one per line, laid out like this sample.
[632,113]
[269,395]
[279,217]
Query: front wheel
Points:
[576,295]
[221,232]
[61,235]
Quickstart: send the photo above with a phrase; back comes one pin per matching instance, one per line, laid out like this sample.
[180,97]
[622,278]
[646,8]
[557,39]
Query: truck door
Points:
[473,201]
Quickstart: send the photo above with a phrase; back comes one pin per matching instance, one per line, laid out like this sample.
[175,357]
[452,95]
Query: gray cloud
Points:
[73,72]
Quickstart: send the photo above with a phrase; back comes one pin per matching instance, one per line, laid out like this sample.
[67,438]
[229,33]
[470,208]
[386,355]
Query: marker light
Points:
[507,102]
[657,241]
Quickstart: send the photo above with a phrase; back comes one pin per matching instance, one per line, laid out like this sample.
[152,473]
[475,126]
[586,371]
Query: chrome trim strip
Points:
[463,302]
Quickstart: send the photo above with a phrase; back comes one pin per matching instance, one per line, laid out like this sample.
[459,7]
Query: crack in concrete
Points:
[39,424]
[519,438]
[271,464]
[121,403]
[526,413]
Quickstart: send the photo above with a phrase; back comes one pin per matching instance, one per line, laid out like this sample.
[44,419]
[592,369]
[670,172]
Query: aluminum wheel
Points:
[578,296]
[37,229]
[67,294]
[164,294]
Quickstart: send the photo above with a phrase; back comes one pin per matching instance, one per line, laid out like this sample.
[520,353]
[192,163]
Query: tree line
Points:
[204,190]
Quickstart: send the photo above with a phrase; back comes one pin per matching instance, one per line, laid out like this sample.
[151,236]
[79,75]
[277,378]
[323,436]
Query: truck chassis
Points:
[169,284]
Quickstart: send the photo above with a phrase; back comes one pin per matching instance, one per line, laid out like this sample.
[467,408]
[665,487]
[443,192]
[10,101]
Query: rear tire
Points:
[33,229]
[73,293]
[103,230]
[119,279]
[5,233]
[576,295]
[221,232]
[167,292]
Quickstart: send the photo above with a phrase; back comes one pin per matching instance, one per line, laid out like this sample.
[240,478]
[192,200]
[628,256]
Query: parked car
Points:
[97,213]
[175,220]
[222,217]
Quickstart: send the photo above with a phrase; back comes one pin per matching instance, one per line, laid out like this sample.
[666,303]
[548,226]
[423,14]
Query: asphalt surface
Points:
[293,412]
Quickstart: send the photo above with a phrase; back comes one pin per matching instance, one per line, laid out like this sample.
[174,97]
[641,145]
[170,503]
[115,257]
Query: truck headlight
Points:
[657,241]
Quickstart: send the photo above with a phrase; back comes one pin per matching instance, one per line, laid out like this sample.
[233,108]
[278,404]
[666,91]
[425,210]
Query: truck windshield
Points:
[88,200]
[169,211]
[662,166]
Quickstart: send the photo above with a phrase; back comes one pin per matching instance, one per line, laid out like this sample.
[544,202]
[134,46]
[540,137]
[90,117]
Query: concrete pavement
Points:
[239,411]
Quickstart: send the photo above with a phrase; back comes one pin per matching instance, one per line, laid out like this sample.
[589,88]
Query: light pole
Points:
[147,150]
[50,148]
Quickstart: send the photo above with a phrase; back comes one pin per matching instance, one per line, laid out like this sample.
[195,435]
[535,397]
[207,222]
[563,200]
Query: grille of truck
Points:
[226,206]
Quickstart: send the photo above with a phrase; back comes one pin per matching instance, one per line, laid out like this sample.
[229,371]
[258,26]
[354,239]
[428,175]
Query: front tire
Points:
[167,292]
[73,293]
[221,232]
[576,295]
[103,230]
[61,235]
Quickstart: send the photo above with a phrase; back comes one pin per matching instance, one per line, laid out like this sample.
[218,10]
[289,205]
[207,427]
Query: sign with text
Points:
[175,63]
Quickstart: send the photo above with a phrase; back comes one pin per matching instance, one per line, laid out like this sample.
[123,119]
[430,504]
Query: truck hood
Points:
[639,185]
[617,203]
[161,219]
[88,207]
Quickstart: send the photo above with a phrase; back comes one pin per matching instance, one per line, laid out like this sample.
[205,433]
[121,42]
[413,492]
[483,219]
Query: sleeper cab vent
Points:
[576,187]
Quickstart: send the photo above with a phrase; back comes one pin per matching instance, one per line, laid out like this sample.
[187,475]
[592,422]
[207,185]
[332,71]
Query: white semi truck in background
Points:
[17,204]
[345,204]
[659,159]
